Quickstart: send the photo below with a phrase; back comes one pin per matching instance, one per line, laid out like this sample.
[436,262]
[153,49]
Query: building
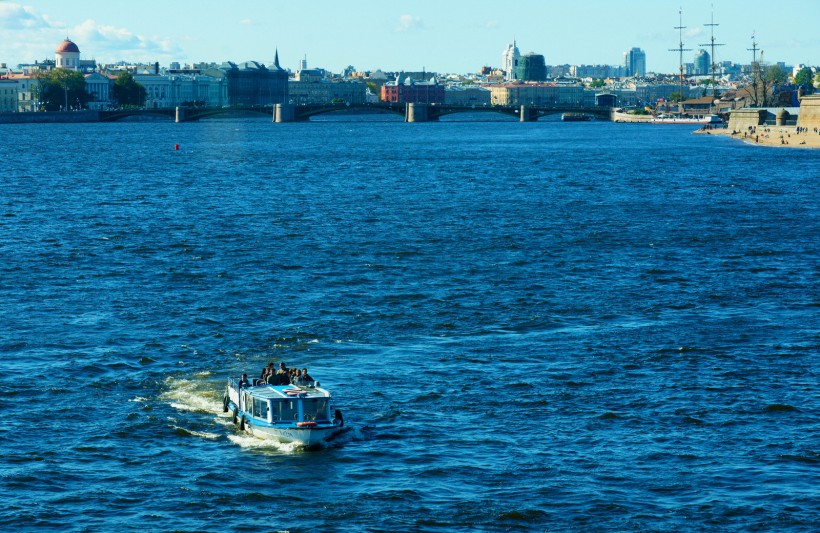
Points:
[67,55]
[207,89]
[635,62]
[531,67]
[405,89]
[467,95]
[98,86]
[592,71]
[537,94]
[653,93]
[254,84]
[314,89]
[27,89]
[703,63]
[509,61]
[8,96]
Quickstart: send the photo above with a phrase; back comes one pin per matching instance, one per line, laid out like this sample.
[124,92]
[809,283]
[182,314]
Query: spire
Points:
[276,59]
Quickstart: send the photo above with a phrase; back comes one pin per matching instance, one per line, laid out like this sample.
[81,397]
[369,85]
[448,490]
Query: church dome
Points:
[67,47]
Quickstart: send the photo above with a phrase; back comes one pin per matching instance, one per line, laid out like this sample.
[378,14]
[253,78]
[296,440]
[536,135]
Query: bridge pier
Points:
[527,114]
[417,113]
[181,114]
[284,113]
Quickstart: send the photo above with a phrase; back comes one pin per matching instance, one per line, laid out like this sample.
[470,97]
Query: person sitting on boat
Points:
[244,381]
[302,378]
[282,376]
[267,372]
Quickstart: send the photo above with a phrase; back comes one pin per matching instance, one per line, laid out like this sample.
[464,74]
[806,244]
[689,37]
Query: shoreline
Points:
[776,136]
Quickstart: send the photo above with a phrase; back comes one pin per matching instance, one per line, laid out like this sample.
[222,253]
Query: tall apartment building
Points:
[635,62]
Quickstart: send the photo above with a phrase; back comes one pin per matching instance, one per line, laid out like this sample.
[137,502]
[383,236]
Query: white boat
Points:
[286,413]
[687,119]
[619,115]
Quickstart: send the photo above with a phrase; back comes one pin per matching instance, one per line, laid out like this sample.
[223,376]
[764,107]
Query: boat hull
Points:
[308,437]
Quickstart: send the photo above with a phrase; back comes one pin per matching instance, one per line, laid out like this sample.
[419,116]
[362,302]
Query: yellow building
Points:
[536,94]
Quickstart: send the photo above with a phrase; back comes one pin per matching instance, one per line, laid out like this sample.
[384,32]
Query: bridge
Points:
[411,112]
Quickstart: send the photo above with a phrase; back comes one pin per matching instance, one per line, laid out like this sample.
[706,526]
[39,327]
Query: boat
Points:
[575,117]
[286,413]
[687,119]
[620,115]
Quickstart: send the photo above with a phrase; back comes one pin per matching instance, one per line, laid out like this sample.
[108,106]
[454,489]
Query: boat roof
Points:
[277,392]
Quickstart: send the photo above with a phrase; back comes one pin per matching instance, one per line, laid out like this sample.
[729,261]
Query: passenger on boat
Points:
[244,381]
[282,375]
[302,379]
[267,372]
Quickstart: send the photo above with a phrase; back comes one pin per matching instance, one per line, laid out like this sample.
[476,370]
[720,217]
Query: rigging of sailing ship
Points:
[680,49]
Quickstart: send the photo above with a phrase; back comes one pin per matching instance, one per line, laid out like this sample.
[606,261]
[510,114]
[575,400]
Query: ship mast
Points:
[680,49]
[755,67]
[713,44]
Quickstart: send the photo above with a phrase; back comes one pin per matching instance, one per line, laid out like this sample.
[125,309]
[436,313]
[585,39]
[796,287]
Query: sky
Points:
[447,36]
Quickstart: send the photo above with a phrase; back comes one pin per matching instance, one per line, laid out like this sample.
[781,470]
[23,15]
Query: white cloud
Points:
[248,22]
[30,35]
[694,32]
[120,43]
[409,23]
[19,17]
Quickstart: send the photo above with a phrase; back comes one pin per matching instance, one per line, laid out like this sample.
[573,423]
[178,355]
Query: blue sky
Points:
[441,35]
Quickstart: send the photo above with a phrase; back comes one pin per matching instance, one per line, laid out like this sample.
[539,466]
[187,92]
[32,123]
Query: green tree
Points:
[804,77]
[60,89]
[675,97]
[127,91]
[776,75]
[596,84]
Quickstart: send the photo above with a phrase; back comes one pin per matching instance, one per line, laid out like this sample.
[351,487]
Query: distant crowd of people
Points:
[283,376]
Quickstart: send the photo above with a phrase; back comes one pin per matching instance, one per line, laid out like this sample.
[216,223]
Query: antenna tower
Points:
[713,44]
[680,49]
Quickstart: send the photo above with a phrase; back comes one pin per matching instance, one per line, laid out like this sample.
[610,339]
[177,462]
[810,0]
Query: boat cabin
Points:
[282,404]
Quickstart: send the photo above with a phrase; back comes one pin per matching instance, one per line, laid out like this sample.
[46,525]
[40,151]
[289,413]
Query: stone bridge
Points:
[410,112]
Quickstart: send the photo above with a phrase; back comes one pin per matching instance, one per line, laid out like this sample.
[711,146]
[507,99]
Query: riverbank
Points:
[772,136]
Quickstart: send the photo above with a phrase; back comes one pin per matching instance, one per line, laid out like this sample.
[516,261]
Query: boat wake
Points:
[252,443]
[192,396]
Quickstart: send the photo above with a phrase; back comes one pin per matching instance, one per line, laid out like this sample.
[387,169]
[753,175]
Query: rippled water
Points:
[529,327]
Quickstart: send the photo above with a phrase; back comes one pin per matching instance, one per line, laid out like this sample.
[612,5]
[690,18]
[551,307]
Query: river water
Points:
[528,327]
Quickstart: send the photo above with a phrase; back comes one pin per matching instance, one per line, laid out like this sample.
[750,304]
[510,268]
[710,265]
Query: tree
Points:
[675,97]
[60,89]
[128,91]
[804,77]
[596,84]
[776,75]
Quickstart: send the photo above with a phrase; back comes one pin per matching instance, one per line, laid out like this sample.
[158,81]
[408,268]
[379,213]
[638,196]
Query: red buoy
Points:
[176,147]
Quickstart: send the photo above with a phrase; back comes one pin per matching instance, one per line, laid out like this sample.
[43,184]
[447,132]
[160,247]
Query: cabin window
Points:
[285,410]
[315,409]
[260,408]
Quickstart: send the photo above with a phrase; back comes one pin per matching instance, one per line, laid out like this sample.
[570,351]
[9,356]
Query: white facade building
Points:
[509,61]
[98,88]
[68,55]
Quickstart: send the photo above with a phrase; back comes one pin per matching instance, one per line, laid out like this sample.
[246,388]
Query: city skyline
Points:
[455,36]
